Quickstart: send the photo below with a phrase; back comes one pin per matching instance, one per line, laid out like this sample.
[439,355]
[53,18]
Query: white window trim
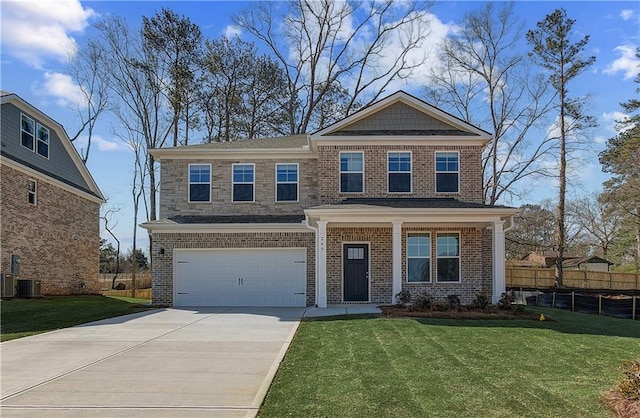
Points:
[410,171]
[190,183]
[33,123]
[406,279]
[459,257]
[340,172]
[253,183]
[435,166]
[38,140]
[297,183]
[35,192]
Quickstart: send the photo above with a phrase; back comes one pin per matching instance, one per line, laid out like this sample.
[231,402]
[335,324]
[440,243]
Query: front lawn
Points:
[385,367]
[22,317]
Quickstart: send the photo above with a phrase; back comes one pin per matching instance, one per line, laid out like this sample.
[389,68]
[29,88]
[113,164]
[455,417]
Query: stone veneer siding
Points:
[423,172]
[42,235]
[474,277]
[163,263]
[174,188]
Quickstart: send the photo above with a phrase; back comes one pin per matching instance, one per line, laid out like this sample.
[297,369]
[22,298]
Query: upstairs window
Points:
[43,140]
[351,172]
[286,182]
[32,190]
[447,172]
[419,257]
[199,182]
[399,172]
[448,250]
[243,180]
[27,131]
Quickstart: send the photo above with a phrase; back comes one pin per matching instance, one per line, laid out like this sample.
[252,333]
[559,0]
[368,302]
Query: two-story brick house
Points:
[49,203]
[389,198]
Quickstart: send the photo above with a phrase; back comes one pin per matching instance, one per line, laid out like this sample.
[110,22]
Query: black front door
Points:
[356,272]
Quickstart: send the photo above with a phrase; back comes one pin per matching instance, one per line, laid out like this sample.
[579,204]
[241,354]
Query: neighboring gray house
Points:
[49,203]
[389,198]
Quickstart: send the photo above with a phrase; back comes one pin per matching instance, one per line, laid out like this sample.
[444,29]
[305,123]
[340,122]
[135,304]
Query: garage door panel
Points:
[251,277]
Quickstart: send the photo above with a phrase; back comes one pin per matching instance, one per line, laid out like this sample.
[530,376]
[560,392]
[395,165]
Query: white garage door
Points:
[246,277]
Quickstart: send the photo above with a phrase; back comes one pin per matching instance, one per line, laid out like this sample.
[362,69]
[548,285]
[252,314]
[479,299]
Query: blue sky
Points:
[37,38]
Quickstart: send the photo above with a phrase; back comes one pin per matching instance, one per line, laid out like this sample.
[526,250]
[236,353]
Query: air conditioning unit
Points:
[8,285]
[26,288]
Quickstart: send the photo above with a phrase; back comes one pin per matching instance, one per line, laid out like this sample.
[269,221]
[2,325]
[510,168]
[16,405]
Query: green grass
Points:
[384,367]
[23,317]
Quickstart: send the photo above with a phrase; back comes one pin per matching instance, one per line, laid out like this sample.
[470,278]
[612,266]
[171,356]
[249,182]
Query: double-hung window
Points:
[32,188]
[448,251]
[447,172]
[27,131]
[399,172]
[351,172]
[43,140]
[286,182]
[418,257]
[199,182]
[243,181]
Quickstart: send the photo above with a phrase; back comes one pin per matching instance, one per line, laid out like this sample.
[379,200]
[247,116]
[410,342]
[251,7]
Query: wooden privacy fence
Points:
[579,279]
[143,280]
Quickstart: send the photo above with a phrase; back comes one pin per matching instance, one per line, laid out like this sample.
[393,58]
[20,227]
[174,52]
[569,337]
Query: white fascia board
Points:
[165,228]
[412,215]
[231,153]
[43,177]
[395,140]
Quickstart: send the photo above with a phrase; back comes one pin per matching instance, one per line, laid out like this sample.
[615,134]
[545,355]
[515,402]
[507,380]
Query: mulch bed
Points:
[396,311]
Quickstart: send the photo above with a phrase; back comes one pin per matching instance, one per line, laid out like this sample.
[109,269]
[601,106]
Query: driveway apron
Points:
[214,362]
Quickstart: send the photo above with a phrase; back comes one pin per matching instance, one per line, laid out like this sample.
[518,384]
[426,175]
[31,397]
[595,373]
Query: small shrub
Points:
[630,385]
[403,297]
[505,301]
[454,301]
[481,301]
[440,306]
[423,302]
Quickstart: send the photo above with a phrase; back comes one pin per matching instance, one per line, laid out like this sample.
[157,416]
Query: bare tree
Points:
[107,217]
[554,51]
[325,45]
[596,219]
[487,82]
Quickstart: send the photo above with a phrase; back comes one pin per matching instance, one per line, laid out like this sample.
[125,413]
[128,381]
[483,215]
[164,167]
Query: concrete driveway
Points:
[214,362]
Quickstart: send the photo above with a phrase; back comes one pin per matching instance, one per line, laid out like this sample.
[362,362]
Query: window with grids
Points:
[351,172]
[243,181]
[286,182]
[399,172]
[448,252]
[27,132]
[43,140]
[199,182]
[32,188]
[447,172]
[418,257]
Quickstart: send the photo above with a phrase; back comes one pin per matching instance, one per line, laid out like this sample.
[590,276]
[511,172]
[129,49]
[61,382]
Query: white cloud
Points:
[62,87]
[33,31]
[231,31]
[627,63]
[627,14]
[101,144]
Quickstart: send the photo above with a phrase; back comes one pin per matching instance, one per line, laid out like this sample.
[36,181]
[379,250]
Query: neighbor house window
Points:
[399,172]
[32,188]
[243,179]
[286,182]
[27,131]
[351,172]
[419,257]
[199,182]
[448,251]
[43,140]
[447,172]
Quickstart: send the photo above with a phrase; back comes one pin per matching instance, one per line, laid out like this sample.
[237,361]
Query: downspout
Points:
[511,223]
[315,233]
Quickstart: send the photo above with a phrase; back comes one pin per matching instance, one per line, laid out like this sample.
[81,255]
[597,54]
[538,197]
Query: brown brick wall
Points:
[423,172]
[174,196]
[163,263]
[43,235]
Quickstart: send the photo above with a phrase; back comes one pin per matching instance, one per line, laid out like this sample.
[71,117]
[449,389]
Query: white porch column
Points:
[321,265]
[397,260]
[498,261]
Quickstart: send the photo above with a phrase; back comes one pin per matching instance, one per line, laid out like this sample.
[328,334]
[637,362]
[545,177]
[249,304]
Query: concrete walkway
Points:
[214,362]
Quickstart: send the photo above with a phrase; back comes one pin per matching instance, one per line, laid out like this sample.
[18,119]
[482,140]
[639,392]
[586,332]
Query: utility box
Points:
[8,285]
[26,288]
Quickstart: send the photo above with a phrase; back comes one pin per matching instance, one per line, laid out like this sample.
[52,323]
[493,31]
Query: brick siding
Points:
[43,235]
